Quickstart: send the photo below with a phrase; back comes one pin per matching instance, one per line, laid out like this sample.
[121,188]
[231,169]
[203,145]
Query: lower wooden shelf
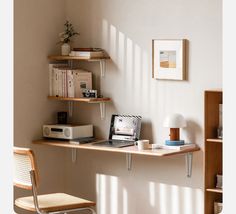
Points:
[215,190]
[130,150]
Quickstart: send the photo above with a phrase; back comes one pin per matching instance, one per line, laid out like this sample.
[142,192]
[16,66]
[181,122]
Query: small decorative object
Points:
[218,207]
[219,181]
[89,93]
[169,59]
[62,117]
[65,37]
[65,49]
[142,144]
[174,122]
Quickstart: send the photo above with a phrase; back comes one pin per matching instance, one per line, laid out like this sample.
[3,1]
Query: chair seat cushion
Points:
[53,202]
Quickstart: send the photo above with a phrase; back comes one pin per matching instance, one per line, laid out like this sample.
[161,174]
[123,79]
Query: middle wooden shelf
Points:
[81,99]
[101,101]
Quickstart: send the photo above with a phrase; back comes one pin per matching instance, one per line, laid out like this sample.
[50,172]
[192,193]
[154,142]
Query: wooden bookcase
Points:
[213,150]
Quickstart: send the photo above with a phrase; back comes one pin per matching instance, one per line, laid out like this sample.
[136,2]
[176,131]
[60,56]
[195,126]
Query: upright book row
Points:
[68,82]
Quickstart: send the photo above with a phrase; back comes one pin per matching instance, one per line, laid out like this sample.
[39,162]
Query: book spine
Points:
[60,83]
[50,79]
[55,82]
[70,84]
[63,84]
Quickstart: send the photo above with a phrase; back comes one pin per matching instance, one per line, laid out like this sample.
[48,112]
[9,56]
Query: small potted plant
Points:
[65,37]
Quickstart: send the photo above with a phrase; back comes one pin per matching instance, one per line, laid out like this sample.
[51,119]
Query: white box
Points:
[67,131]
[82,80]
[218,207]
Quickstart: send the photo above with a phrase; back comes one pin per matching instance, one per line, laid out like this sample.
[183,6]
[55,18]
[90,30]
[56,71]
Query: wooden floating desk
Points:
[127,150]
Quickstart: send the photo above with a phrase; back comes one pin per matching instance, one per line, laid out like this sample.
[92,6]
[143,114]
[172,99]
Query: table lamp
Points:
[174,122]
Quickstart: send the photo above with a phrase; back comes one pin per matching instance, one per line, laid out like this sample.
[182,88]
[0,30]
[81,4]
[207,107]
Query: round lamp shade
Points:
[174,121]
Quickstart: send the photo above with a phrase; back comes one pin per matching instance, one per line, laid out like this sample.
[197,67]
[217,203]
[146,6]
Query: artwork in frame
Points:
[169,59]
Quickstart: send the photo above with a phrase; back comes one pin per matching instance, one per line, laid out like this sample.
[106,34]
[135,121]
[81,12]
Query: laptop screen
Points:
[125,127]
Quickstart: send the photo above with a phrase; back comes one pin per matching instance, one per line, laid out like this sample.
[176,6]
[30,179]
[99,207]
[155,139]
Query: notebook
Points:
[124,131]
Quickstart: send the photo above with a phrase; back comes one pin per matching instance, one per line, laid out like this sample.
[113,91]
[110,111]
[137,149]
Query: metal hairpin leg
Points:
[73,155]
[189,163]
[129,161]
[102,110]
[103,67]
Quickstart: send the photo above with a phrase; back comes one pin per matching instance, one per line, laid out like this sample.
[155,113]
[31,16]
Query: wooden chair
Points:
[26,176]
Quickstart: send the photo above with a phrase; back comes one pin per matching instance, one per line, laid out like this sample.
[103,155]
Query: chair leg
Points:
[92,210]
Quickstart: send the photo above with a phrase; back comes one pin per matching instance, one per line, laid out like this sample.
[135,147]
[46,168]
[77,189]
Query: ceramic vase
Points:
[65,49]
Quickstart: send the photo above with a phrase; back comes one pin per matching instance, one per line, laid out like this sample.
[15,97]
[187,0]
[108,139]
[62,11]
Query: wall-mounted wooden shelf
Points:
[215,190]
[70,59]
[86,100]
[101,101]
[59,57]
[130,150]
[216,140]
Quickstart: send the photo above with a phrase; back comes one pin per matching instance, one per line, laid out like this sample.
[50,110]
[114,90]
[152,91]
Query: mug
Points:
[143,144]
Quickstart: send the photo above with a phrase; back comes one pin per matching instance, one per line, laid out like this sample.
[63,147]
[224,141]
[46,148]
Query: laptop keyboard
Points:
[115,143]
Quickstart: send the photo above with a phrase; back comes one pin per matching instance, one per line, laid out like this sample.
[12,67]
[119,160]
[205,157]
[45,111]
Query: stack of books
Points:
[182,147]
[87,53]
[68,82]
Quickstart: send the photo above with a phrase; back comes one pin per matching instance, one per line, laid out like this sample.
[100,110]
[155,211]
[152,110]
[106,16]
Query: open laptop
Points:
[124,131]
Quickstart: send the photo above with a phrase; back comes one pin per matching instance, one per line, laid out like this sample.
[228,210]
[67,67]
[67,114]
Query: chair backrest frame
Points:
[30,154]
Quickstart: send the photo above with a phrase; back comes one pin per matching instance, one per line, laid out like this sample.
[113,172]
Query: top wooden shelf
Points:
[129,149]
[59,57]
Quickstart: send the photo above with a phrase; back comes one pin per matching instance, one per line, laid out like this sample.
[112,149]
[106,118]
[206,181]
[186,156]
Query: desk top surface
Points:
[129,149]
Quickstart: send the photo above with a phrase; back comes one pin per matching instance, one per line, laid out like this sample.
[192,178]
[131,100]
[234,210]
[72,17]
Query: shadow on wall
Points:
[192,130]
[113,197]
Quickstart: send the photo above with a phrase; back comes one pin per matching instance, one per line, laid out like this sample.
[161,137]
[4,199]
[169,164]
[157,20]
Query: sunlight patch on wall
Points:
[173,199]
[152,194]
[137,77]
[175,206]
[114,195]
[101,193]
[113,42]
[121,51]
[105,34]
[125,201]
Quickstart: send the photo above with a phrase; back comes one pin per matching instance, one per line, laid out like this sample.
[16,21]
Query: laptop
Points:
[124,131]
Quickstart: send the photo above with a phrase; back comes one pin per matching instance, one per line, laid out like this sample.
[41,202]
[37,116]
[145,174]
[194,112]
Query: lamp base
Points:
[174,142]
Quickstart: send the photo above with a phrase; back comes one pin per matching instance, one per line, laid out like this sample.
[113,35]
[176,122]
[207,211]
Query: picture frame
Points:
[169,59]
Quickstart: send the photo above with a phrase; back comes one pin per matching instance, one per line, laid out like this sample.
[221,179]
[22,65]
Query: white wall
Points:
[125,29]
[36,28]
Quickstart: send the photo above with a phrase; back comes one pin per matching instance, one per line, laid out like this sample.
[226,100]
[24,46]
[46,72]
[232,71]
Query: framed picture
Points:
[169,59]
